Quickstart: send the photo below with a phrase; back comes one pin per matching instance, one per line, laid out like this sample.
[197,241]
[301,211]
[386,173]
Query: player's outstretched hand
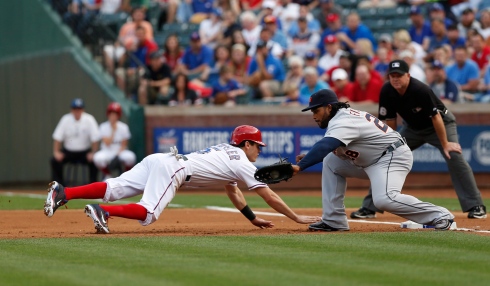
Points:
[452,147]
[299,157]
[305,219]
[258,222]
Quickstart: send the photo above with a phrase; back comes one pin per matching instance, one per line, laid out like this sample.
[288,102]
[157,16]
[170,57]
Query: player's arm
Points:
[57,154]
[238,200]
[441,134]
[124,145]
[319,151]
[275,202]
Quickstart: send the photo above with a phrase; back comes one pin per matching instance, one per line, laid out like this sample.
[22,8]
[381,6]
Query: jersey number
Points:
[381,126]
[352,154]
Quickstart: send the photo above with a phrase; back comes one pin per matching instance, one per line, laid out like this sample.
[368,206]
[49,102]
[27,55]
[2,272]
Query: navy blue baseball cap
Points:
[310,55]
[437,65]
[436,7]
[415,10]
[321,98]
[77,103]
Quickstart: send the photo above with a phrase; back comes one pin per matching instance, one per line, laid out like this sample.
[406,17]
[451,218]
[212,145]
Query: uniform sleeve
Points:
[343,129]
[429,101]
[387,109]
[245,173]
[58,133]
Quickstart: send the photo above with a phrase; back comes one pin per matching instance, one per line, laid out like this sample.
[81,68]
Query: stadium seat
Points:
[349,4]
[369,13]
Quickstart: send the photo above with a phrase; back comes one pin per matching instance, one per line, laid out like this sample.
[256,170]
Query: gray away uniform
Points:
[376,152]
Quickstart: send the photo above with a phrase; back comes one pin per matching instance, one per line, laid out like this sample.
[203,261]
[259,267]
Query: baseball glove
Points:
[275,173]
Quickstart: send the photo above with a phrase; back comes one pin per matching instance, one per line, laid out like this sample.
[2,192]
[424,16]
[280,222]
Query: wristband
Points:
[248,213]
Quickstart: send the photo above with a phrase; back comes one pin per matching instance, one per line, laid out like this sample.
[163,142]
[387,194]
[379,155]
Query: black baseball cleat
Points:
[321,226]
[478,212]
[56,198]
[99,216]
[363,213]
[444,224]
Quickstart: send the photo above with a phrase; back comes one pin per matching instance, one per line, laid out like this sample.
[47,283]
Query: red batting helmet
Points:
[114,107]
[246,132]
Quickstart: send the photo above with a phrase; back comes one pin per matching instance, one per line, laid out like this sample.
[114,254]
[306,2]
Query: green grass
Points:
[202,200]
[408,258]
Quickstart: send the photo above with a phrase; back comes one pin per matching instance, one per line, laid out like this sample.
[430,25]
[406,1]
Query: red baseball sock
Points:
[90,191]
[131,211]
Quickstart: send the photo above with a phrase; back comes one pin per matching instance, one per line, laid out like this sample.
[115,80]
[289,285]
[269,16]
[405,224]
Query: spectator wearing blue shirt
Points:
[266,72]
[277,35]
[464,71]
[313,24]
[439,35]
[436,11]
[226,89]
[334,26]
[420,30]
[355,30]
[194,12]
[444,88]
[311,85]
[453,37]
[484,94]
[197,58]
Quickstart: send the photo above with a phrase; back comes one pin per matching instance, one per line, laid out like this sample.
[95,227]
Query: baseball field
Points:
[200,240]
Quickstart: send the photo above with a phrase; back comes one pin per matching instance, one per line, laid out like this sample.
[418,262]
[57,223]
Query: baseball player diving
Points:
[158,177]
[359,145]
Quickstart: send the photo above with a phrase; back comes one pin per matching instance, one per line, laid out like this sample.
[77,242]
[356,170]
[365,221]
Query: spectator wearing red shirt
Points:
[342,86]
[481,54]
[173,52]
[366,88]
[250,4]
[239,62]
[145,43]
[364,61]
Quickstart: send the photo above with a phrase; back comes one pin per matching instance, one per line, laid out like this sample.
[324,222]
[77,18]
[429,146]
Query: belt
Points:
[393,146]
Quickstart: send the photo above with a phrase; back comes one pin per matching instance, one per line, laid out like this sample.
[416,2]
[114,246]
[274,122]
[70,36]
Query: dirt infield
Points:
[201,222]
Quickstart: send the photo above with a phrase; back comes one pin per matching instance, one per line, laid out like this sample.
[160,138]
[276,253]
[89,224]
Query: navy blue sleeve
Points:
[319,151]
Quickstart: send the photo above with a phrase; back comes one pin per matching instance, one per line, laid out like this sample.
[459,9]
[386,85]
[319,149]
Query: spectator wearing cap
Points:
[419,30]
[303,40]
[331,57]
[197,58]
[294,76]
[250,28]
[439,34]
[312,24]
[468,22]
[268,7]
[436,11]
[239,62]
[277,35]
[453,37]
[266,72]
[288,12]
[210,29]
[334,27]
[355,30]
[274,48]
[326,7]
[464,71]
[226,89]
[444,88]
[481,52]
[311,60]
[75,140]
[342,86]
[415,70]
[366,88]
[311,85]
[154,86]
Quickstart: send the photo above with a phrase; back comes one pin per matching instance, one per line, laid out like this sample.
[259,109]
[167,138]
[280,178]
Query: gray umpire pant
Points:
[460,171]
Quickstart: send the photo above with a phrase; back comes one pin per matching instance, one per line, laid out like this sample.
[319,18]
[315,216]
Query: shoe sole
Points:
[325,230]
[478,216]
[49,203]
[363,217]
[99,226]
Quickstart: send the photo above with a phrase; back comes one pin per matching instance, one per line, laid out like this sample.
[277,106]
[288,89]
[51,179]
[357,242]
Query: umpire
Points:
[425,120]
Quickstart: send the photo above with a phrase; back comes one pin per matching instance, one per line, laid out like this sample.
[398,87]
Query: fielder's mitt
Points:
[275,173]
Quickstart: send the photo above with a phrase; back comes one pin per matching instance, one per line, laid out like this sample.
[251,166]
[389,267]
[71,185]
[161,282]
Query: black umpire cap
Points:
[321,98]
[398,66]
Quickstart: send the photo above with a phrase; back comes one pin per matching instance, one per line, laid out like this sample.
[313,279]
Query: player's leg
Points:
[334,173]
[368,209]
[460,171]
[387,178]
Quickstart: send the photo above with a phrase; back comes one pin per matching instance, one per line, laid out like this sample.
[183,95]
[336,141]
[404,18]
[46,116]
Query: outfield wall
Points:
[170,126]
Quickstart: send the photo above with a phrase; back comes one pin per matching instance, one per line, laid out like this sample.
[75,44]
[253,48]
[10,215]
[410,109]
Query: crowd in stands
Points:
[281,51]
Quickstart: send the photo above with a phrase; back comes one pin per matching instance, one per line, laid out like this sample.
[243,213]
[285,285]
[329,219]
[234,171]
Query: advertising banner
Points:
[291,141]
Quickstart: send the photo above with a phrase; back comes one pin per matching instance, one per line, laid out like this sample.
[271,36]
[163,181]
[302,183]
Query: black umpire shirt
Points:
[416,106]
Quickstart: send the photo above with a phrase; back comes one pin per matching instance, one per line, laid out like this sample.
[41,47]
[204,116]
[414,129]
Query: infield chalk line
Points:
[224,209]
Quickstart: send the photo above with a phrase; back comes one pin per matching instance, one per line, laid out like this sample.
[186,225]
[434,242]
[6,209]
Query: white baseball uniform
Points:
[108,152]
[159,176]
[367,155]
